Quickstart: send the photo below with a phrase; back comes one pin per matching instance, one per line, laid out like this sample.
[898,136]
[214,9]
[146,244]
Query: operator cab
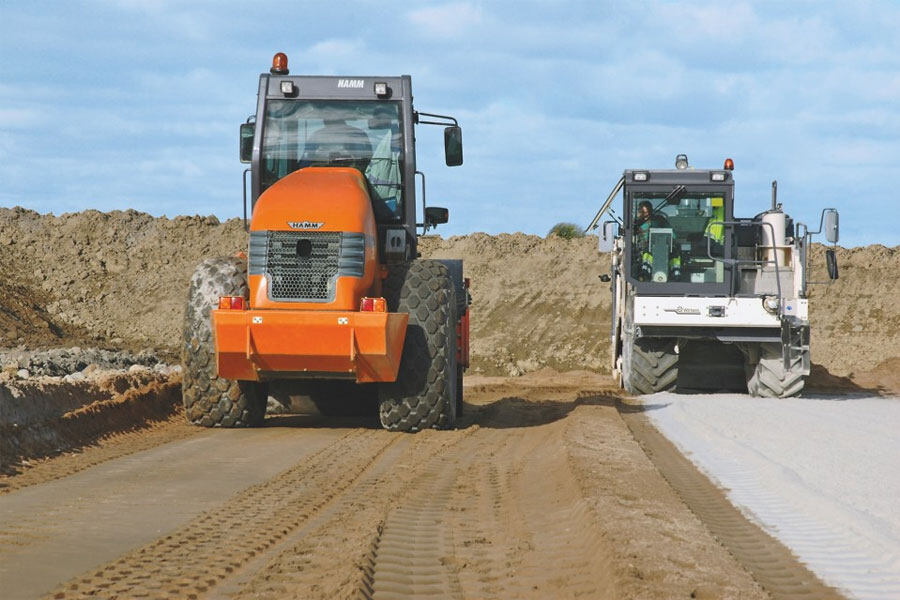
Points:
[365,135]
[365,123]
[675,238]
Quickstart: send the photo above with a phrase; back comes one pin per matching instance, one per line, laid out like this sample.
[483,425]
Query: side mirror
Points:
[435,215]
[608,237]
[831,263]
[247,132]
[831,226]
[453,154]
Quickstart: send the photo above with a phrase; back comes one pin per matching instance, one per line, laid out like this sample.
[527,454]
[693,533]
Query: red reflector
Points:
[231,303]
[373,305]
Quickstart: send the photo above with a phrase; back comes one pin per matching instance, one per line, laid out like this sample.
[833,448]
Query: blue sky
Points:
[114,104]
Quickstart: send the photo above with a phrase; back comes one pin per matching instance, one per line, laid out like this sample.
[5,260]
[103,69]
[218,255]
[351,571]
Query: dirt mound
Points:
[537,302]
[119,280]
[24,317]
[856,319]
[47,416]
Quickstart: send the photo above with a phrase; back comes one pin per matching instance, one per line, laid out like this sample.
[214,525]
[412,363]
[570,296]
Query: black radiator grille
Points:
[303,266]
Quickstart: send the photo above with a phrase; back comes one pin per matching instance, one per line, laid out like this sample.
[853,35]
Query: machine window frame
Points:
[679,288]
[400,211]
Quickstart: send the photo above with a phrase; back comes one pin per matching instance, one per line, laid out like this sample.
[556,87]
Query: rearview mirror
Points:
[608,237]
[247,132]
[453,153]
[831,226]
[831,263]
[435,215]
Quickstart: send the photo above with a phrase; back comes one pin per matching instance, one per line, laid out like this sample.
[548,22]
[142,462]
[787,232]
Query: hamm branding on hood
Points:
[304,225]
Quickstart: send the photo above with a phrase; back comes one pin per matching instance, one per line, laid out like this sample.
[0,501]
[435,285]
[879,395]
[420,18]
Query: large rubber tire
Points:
[649,365]
[768,378]
[424,394]
[209,400]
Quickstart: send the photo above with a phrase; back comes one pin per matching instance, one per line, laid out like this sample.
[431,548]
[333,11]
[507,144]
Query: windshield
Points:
[671,234]
[362,135]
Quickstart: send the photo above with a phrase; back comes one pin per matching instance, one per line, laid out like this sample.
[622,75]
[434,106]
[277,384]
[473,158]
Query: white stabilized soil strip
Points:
[820,473]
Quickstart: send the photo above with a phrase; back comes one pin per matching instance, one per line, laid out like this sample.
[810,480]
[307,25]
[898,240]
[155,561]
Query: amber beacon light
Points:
[279,64]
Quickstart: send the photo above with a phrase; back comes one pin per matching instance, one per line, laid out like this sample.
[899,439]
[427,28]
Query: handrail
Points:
[737,261]
[423,224]
[246,226]
[606,204]
[449,118]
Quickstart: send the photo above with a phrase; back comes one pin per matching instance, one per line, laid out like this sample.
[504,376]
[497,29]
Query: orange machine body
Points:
[275,339]
[326,199]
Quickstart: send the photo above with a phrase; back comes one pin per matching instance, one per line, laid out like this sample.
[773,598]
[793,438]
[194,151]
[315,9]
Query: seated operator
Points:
[645,219]
[338,144]
[383,171]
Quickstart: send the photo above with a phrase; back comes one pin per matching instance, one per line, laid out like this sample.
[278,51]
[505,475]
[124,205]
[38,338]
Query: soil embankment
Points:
[119,280]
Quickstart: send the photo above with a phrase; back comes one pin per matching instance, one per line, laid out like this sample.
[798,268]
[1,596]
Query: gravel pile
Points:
[62,362]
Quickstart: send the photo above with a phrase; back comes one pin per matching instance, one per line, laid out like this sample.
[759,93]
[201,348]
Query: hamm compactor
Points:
[330,301]
[702,299]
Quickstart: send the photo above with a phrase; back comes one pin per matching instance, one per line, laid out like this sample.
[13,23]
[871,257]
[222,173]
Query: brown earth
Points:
[48,417]
[120,279]
[542,492]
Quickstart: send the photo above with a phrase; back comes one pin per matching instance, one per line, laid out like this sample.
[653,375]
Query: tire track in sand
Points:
[195,558]
[770,562]
[412,555]
[327,555]
[501,517]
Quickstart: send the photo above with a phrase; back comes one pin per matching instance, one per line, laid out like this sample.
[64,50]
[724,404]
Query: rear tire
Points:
[209,400]
[768,378]
[649,365]
[424,395]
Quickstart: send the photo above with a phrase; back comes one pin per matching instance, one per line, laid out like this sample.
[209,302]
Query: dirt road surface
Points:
[544,491]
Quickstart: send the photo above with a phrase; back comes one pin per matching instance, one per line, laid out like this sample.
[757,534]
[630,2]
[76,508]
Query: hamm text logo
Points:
[351,83]
[304,225]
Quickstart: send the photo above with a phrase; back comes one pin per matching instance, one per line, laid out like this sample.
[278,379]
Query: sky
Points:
[117,104]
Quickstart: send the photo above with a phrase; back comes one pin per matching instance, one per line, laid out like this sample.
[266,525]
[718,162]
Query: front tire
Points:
[767,377]
[424,395]
[209,400]
[649,365]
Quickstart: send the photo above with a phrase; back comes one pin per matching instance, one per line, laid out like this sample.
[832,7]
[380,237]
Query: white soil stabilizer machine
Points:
[702,299]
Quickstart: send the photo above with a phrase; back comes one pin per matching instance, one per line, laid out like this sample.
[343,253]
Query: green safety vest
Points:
[715,229]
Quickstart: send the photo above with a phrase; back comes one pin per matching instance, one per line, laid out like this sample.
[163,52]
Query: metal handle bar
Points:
[736,261]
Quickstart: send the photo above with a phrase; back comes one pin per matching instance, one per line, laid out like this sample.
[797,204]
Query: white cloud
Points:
[334,49]
[707,22]
[186,21]
[446,20]
[18,118]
